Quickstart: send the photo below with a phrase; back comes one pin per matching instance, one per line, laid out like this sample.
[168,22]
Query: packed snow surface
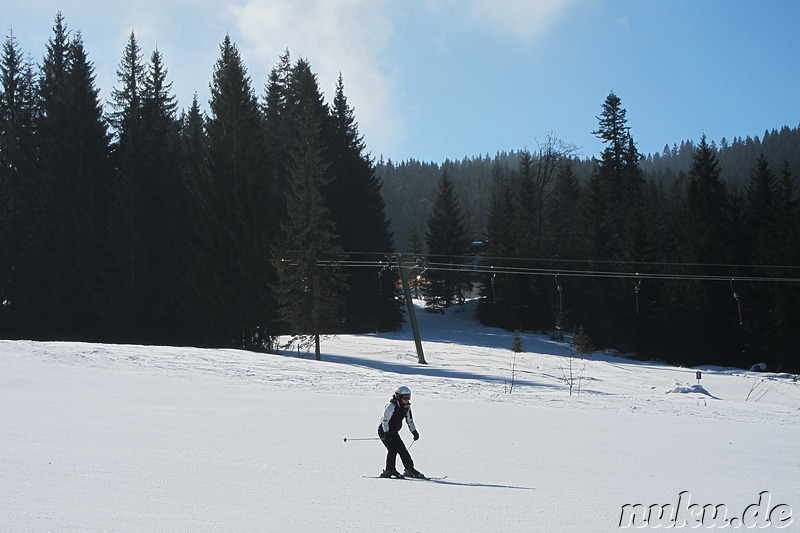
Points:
[98,438]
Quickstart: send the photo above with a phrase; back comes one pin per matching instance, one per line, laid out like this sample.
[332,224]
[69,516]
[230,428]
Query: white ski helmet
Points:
[401,391]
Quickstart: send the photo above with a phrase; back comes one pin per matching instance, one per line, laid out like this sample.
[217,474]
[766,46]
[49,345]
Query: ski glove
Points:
[416,435]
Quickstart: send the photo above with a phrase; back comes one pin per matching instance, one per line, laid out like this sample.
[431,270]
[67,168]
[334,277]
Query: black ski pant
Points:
[394,447]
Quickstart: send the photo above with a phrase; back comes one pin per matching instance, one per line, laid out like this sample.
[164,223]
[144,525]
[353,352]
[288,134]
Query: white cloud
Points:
[527,20]
[347,36]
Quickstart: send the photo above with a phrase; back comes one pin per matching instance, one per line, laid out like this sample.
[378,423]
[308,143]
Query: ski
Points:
[432,478]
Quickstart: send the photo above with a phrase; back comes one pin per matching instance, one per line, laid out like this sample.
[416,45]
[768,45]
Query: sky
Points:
[433,80]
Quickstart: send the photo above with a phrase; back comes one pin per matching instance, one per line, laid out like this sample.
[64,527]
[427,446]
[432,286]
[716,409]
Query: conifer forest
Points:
[263,214]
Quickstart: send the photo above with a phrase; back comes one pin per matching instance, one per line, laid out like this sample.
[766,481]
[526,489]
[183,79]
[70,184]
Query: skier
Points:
[399,408]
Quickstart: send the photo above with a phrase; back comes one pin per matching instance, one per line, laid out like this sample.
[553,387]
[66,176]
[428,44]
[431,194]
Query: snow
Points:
[145,438]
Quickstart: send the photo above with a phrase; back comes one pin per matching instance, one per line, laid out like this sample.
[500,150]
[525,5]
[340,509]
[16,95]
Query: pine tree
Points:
[193,156]
[620,177]
[705,311]
[148,224]
[303,96]
[21,195]
[448,240]
[611,225]
[614,132]
[192,134]
[523,198]
[761,211]
[773,306]
[563,213]
[499,304]
[92,172]
[169,228]
[238,226]
[603,201]
[194,251]
[76,172]
[785,312]
[278,125]
[51,123]
[597,235]
[357,209]
[414,246]
[704,231]
[133,211]
[310,285]
[598,240]
[127,99]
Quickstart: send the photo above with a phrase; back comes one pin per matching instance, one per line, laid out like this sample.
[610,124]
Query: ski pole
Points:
[371,438]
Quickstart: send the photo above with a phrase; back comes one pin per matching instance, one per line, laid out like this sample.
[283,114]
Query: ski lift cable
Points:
[393,259]
[431,259]
[495,270]
[557,260]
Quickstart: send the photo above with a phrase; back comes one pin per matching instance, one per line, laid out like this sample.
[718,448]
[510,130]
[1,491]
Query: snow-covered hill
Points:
[143,438]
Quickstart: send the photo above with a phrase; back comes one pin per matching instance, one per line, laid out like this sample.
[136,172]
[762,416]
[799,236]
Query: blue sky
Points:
[439,79]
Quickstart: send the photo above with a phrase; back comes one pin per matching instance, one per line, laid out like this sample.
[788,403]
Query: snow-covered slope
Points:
[142,438]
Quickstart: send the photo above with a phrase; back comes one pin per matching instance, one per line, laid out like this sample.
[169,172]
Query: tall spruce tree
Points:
[781,333]
[528,195]
[768,222]
[303,96]
[132,267]
[499,303]
[148,222]
[707,316]
[76,171]
[52,122]
[279,128]
[310,285]
[448,241]
[611,219]
[762,193]
[620,177]
[194,250]
[238,225]
[563,214]
[357,209]
[706,217]
[170,227]
[21,195]
[192,135]
[523,205]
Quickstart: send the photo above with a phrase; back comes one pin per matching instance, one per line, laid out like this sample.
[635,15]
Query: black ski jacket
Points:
[393,417]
